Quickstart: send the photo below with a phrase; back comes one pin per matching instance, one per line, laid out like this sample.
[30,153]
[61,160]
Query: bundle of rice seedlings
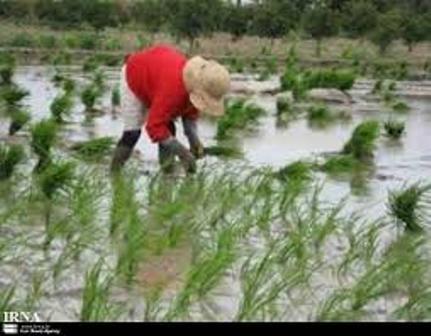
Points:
[10,156]
[95,148]
[60,107]
[394,129]
[43,137]
[407,206]
[362,143]
[19,119]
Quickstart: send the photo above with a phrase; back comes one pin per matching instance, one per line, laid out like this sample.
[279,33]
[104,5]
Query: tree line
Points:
[381,21]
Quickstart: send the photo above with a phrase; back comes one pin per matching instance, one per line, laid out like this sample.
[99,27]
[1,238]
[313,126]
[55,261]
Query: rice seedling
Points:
[99,80]
[90,65]
[115,98]
[206,273]
[94,149]
[132,245]
[340,164]
[10,157]
[58,77]
[320,114]
[89,96]
[69,86]
[96,296]
[12,95]
[362,143]
[392,86]
[6,300]
[56,178]
[43,137]
[223,151]
[408,206]
[7,68]
[36,292]
[19,119]
[400,106]
[298,171]
[239,115]
[61,107]
[260,288]
[338,79]
[394,129]
[378,87]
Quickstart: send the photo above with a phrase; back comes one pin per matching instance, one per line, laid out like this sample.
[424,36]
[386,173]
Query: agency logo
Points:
[10,329]
[17,317]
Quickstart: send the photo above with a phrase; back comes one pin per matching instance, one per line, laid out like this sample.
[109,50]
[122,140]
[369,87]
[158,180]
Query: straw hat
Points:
[207,82]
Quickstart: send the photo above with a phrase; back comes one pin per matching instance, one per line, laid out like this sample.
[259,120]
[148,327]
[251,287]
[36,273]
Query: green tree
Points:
[152,14]
[192,18]
[359,17]
[388,29]
[274,18]
[320,21]
[414,30]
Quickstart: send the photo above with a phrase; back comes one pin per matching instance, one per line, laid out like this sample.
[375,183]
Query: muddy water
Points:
[396,162]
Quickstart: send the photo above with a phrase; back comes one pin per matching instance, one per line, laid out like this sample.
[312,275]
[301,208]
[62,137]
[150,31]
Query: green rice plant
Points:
[417,308]
[61,107]
[319,114]
[362,143]
[48,41]
[89,96]
[407,206]
[260,286]
[12,95]
[116,97]
[22,40]
[388,96]
[96,295]
[69,86]
[298,171]
[91,64]
[206,273]
[61,58]
[56,178]
[223,151]
[7,68]
[340,164]
[36,292]
[132,244]
[400,106]
[6,300]
[19,119]
[94,149]
[58,77]
[392,86]
[236,65]
[338,79]
[88,40]
[378,86]
[99,80]
[394,129]
[43,137]
[239,115]
[10,157]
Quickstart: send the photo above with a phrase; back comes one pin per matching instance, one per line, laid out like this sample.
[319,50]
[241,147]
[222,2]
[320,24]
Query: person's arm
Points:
[157,127]
[191,132]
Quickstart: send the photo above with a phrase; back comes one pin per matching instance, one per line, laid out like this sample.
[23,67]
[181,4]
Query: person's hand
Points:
[197,149]
[187,159]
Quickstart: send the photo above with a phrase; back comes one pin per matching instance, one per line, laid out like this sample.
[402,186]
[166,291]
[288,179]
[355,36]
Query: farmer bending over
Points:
[158,86]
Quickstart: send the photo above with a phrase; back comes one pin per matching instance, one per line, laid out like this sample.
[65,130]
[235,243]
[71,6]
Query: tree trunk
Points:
[410,47]
[318,48]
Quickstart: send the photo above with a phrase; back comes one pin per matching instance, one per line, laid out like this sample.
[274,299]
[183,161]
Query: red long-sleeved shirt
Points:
[155,76]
